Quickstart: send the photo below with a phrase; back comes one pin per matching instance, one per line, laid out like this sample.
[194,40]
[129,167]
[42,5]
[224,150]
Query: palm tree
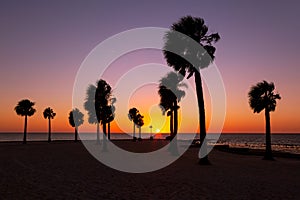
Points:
[75,120]
[170,96]
[133,112]
[25,108]
[89,106]
[151,136]
[262,97]
[49,114]
[196,31]
[139,122]
[104,105]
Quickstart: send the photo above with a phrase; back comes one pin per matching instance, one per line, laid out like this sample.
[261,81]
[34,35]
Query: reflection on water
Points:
[280,142]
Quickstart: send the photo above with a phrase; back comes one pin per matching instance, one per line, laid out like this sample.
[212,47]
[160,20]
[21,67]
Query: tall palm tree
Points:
[89,106]
[262,97]
[196,31]
[49,114]
[25,108]
[170,95]
[75,120]
[104,105]
[132,114]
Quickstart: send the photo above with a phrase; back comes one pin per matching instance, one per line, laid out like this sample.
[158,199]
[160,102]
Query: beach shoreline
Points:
[219,147]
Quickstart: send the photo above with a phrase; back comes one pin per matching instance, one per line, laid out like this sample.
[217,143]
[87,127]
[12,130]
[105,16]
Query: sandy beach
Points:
[65,170]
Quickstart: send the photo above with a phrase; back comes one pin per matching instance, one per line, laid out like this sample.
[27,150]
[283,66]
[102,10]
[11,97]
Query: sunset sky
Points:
[43,44]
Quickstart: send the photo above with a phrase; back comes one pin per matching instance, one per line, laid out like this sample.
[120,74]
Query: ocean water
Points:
[280,142]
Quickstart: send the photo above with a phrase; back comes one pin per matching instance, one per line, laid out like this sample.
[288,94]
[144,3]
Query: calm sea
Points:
[281,142]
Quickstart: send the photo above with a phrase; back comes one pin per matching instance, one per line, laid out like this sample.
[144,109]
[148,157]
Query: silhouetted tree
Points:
[25,108]
[132,114]
[151,136]
[75,120]
[49,114]
[89,106]
[139,122]
[104,105]
[170,94]
[196,31]
[262,97]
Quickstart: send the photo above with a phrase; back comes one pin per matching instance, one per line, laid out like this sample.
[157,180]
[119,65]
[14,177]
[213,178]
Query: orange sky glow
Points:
[41,54]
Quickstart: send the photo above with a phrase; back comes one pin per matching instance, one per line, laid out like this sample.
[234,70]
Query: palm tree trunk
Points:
[171,123]
[76,134]
[108,130]
[133,130]
[173,146]
[49,130]
[25,130]
[201,107]
[175,118]
[98,136]
[104,137]
[268,152]
[140,134]
[104,128]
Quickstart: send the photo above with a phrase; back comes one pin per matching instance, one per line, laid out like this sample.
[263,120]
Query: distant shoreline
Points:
[225,133]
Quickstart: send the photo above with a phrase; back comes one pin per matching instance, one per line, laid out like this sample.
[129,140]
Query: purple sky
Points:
[43,43]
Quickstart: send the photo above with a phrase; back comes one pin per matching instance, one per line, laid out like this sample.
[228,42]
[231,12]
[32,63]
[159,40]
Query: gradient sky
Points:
[43,43]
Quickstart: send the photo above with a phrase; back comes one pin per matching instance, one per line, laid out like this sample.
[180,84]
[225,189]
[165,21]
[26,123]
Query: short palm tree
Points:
[49,114]
[196,31]
[262,97]
[170,95]
[139,122]
[132,114]
[76,120]
[25,108]
[151,136]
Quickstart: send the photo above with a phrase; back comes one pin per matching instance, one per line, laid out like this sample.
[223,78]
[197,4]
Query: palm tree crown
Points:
[49,113]
[196,31]
[25,108]
[169,90]
[75,118]
[167,98]
[262,96]
[89,104]
[132,113]
[139,120]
